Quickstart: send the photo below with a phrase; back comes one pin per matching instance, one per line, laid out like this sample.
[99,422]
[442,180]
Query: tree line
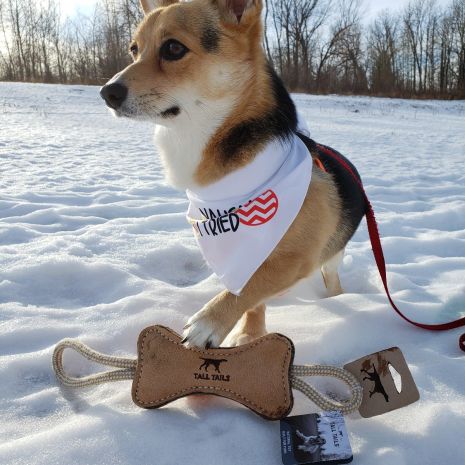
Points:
[319,46]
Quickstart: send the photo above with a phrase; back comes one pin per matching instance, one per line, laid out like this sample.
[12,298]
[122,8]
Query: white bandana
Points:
[239,220]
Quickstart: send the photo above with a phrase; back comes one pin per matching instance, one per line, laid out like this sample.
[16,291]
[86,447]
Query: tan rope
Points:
[127,368]
[324,402]
[127,365]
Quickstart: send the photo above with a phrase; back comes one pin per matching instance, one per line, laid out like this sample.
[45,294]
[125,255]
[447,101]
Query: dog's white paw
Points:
[202,330]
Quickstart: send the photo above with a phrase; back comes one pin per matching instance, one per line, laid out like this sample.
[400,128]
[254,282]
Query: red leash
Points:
[379,256]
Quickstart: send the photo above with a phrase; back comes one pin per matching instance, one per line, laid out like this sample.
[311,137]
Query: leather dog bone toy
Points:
[259,375]
[167,370]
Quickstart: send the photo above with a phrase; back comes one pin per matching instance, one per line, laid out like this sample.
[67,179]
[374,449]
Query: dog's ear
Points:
[149,5]
[243,12]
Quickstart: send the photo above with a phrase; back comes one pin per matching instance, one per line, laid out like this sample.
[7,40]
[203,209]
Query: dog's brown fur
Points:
[227,34]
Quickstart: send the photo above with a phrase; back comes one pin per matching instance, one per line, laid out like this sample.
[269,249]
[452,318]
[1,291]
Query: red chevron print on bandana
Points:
[260,210]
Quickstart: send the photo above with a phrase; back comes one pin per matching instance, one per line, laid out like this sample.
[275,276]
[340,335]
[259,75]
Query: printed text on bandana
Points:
[254,213]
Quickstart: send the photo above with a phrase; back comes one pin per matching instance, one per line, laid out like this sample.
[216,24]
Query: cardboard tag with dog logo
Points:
[386,381]
[315,439]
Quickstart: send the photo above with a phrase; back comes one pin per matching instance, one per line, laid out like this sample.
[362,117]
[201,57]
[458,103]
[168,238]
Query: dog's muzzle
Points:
[114,94]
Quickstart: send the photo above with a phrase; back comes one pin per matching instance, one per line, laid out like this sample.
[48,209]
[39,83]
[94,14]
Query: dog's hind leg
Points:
[331,275]
[251,326]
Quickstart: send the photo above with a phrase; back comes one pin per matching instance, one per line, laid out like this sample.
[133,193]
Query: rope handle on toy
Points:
[324,402]
[127,366]
[127,369]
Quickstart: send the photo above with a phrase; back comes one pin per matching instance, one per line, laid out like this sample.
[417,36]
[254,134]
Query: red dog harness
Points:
[378,251]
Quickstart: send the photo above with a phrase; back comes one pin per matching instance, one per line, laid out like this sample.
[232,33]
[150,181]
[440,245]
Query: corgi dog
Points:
[200,73]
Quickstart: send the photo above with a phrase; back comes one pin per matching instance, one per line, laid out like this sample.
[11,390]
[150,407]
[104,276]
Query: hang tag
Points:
[381,393]
[315,439]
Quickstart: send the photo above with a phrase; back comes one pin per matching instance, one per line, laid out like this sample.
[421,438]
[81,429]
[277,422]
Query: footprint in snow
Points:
[174,264]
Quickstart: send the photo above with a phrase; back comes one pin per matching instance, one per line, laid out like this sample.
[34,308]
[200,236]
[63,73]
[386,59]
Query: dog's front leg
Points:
[210,326]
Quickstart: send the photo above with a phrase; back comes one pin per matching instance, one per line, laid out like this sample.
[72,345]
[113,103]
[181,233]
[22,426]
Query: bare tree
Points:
[445,45]
[315,45]
[296,24]
[382,54]
[458,44]
[342,52]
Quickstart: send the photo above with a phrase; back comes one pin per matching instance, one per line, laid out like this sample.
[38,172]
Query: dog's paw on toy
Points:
[204,330]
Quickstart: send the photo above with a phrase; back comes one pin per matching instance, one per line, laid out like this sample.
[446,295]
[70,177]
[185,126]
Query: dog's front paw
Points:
[203,330]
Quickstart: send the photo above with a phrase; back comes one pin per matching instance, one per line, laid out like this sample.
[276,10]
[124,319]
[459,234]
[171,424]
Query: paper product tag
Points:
[381,393]
[315,439]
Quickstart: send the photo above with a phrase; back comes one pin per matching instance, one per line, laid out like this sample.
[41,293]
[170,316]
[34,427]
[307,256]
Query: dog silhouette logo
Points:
[211,361]
[378,386]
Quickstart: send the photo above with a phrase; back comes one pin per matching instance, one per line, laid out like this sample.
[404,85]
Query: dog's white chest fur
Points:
[181,143]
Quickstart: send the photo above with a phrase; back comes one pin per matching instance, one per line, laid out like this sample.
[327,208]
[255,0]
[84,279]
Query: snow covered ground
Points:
[94,245]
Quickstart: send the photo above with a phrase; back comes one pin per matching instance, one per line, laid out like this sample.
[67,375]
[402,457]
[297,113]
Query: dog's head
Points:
[189,55]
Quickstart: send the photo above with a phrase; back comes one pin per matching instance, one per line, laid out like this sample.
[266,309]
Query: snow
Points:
[94,245]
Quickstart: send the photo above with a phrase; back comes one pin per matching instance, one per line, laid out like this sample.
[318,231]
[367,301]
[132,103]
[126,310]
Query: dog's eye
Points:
[173,50]
[134,49]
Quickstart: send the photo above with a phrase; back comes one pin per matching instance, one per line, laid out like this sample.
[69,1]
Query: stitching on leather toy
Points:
[214,388]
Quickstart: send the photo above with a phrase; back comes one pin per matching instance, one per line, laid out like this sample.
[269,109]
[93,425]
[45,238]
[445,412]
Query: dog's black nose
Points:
[114,94]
